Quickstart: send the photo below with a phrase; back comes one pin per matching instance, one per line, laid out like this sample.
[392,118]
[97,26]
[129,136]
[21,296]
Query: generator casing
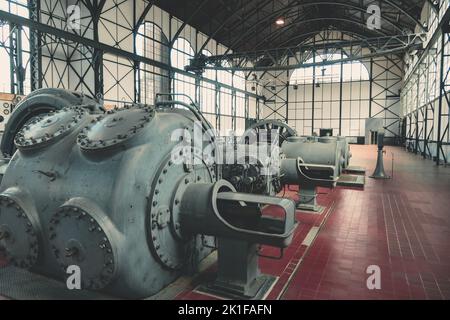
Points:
[102,192]
[314,151]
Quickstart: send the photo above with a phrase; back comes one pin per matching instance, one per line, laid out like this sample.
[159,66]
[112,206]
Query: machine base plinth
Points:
[307,200]
[350,180]
[308,208]
[380,178]
[257,291]
[355,170]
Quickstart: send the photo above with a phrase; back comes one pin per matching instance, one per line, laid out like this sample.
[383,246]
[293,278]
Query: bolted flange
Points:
[165,237]
[18,234]
[77,238]
[49,128]
[114,128]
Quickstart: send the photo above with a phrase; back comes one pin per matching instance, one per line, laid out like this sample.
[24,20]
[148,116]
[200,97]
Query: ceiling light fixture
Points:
[280,22]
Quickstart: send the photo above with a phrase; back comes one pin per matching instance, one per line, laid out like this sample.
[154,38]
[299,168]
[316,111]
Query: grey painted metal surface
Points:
[320,152]
[252,173]
[307,161]
[349,180]
[100,194]
[215,209]
[38,103]
[238,221]
[103,192]
[263,127]
[312,162]
[247,173]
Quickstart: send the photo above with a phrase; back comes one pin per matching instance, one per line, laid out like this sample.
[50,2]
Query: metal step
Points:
[349,180]
[355,170]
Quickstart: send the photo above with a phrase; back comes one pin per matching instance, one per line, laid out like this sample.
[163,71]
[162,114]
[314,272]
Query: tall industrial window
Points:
[208,94]
[17,7]
[152,43]
[180,55]
[351,71]
[240,103]
[5,76]
[317,99]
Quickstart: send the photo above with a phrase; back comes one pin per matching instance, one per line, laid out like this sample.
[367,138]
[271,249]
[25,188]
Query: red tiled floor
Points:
[401,225]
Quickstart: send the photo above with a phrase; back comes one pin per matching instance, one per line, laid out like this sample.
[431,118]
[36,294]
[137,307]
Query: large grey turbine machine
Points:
[307,161]
[100,190]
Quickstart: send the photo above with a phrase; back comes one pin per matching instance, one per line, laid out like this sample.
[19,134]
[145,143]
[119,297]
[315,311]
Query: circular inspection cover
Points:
[170,246]
[115,127]
[49,128]
[18,234]
[77,238]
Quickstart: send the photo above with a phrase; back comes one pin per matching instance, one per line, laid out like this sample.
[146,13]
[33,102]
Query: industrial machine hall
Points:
[224,150]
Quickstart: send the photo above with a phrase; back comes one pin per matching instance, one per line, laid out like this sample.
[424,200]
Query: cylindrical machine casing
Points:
[215,209]
[109,183]
[312,152]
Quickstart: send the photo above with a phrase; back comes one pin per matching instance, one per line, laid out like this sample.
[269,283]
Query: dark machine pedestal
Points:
[355,170]
[238,273]
[308,200]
